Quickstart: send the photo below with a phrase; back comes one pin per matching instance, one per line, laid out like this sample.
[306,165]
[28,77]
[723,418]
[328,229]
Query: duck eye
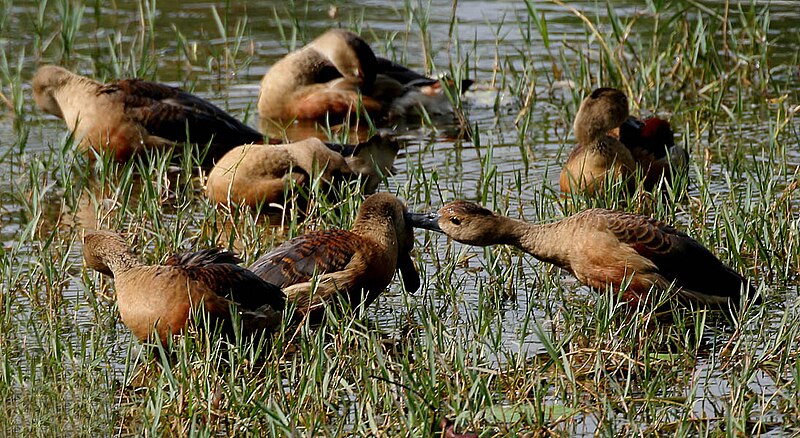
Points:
[455,220]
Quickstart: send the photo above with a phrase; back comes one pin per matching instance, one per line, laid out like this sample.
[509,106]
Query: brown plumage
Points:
[358,263]
[129,116]
[257,175]
[337,75]
[613,144]
[158,299]
[603,247]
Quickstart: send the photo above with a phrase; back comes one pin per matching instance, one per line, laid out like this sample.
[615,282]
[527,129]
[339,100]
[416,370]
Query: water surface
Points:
[495,42]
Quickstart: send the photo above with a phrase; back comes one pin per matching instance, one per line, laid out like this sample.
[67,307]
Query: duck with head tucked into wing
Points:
[259,175]
[130,116]
[337,75]
[158,300]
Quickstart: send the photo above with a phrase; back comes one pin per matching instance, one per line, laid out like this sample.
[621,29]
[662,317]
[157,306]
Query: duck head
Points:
[374,159]
[600,112]
[350,54]
[46,82]
[462,221]
[104,250]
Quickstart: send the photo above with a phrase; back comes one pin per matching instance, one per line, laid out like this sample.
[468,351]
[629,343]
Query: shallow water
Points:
[457,163]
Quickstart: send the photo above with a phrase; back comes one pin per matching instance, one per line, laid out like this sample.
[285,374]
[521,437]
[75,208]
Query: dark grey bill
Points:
[427,221]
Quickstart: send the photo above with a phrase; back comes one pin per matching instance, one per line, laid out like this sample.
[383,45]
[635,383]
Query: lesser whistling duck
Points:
[652,144]
[603,247]
[337,74]
[257,175]
[358,263]
[610,141]
[131,115]
[159,299]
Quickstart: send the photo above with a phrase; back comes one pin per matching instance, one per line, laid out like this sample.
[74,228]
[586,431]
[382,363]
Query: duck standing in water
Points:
[159,299]
[257,175]
[130,116]
[358,263]
[612,142]
[337,75]
[603,248]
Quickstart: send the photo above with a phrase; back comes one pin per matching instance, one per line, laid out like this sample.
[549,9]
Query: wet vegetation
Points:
[495,342]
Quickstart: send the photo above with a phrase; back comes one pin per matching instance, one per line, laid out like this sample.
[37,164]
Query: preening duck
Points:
[159,299]
[258,175]
[358,263]
[338,75]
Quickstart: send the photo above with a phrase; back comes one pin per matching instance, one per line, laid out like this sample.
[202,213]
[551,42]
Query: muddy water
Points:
[496,39]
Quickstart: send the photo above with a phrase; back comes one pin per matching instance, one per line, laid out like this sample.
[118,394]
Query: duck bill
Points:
[409,273]
[633,122]
[427,221]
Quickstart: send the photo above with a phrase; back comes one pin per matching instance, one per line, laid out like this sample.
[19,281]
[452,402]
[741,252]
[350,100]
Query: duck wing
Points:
[408,77]
[299,259]
[678,257]
[217,270]
[170,112]
[401,73]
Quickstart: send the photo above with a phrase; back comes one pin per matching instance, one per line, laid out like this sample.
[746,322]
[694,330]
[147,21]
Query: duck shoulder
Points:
[166,111]
[299,259]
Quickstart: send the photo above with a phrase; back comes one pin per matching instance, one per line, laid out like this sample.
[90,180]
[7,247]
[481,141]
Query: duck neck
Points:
[72,99]
[317,159]
[604,145]
[587,135]
[381,232]
[121,261]
[543,241]
[310,156]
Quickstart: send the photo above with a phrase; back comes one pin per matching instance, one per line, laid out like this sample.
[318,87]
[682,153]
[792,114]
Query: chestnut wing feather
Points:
[166,111]
[677,256]
[217,271]
[298,259]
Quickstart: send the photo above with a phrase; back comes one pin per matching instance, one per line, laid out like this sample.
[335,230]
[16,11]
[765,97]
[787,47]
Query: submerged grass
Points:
[495,341]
